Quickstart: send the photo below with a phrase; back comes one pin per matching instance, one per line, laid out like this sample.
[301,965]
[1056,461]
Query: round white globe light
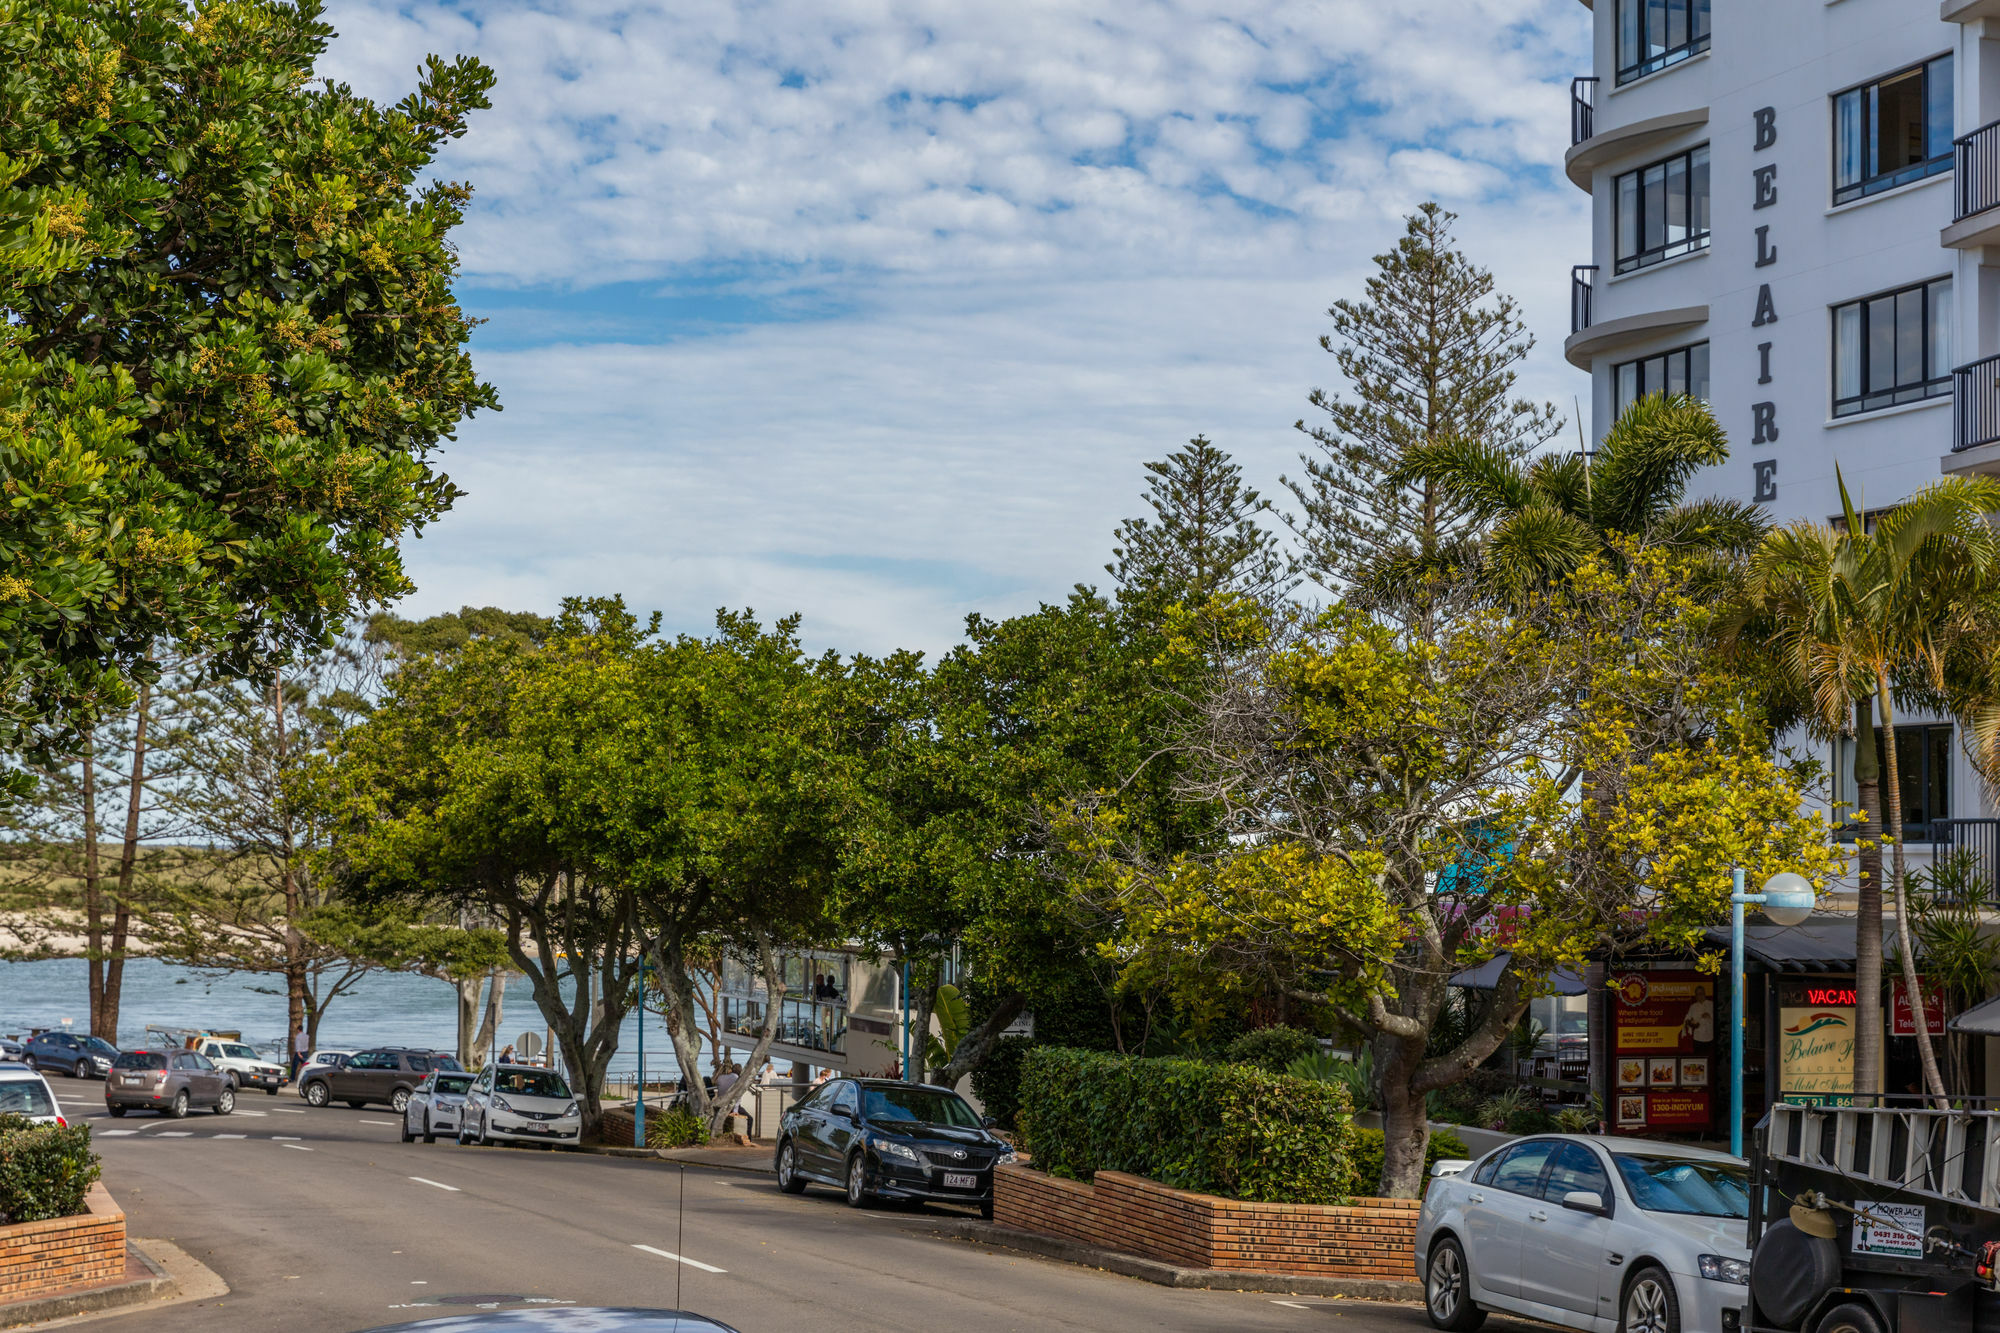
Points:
[1788,898]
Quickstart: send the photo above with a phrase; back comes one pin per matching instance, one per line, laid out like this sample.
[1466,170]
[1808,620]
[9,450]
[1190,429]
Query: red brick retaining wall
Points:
[1371,1239]
[40,1258]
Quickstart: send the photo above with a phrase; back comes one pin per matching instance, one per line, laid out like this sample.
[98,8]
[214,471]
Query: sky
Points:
[872,310]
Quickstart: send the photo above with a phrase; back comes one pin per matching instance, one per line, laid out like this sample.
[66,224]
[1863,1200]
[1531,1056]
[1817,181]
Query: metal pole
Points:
[1736,1015]
[639,1105]
[906,1020]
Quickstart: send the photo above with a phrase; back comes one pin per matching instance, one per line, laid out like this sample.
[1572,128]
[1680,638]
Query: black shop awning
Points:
[1487,975]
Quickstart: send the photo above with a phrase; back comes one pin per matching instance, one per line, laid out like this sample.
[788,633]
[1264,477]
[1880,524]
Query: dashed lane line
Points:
[176,1134]
[115,1133]
[282,1137]
[681,1259]
[435,1184]
[229,1136]
[390,1123]
[288,1110]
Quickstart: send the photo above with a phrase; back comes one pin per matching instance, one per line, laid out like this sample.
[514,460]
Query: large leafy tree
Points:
[1862,615]
[229,349]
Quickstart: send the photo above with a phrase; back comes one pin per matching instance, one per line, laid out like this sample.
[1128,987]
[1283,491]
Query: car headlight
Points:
[569,1112]
[891,1148]
[1006,1152]
[500,1104]
[1717,1268]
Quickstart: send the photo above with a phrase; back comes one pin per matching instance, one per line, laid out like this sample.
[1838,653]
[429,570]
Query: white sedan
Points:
[435,1105]
[520,1104]
[1609,1235]
[25,1092]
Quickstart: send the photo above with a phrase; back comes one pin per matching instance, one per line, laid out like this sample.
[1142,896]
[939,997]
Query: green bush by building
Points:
[46,1171]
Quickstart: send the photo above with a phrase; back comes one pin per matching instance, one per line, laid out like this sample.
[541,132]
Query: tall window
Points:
[1892,131]
[1892,348]
[1923,770]
[1683,370]
[1662,210]
[1653,34]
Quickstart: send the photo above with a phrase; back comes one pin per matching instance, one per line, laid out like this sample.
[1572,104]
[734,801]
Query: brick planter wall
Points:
[1369,1239]
[42,1258]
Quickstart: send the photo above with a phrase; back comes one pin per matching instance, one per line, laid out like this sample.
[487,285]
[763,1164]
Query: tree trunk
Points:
[1868,904]
[677,1004]
[104,1016]
[972,1048]
[773,970]
[1932,1082]
[924,981]
[1406,1128]
[93,903]
[468,1015]
[483,1046]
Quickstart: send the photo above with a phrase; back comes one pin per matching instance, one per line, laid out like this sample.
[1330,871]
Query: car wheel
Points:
[1850,1318]
[857,1182]
[430,1135]
[399,1100]
[232,1078]
[226,1102]
[1447,1297]
[270,1092]
[82,1069]
[316,1094]
[179,1108]
[116,1111]
[1650,1303]
[789,1179]
[986,1209]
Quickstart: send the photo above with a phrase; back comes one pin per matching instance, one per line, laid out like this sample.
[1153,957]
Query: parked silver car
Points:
[1601,1234]
[25,1092]
[434,1108]
[520,1104]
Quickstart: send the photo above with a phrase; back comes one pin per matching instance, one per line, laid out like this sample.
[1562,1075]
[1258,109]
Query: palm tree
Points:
[1855,614]
[1543,517]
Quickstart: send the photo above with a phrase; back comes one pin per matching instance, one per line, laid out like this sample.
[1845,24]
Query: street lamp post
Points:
[1788,900]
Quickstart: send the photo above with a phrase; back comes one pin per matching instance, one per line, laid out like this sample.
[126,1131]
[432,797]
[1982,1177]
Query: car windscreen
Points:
[531,1083]
[924,1106]
[445,1062]
[1685,1185]
[99,1046]
[455,1084]
[236,1050]
[140,1060]
[21,1096]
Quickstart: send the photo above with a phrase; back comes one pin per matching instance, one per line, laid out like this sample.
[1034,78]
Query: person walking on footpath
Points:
[301,1049]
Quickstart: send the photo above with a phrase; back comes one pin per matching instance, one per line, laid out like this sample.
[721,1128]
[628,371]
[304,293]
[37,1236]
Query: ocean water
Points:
[384,1009]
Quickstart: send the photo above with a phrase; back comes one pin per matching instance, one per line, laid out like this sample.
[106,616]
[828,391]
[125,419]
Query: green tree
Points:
[230,345]
[1429,355]
[1859,615]
[1206,536]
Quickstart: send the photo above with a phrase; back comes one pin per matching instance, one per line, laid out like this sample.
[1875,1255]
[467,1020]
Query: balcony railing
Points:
[1579,296]
[1975,879]
[1975,404]
[1582,108]
[1977,164]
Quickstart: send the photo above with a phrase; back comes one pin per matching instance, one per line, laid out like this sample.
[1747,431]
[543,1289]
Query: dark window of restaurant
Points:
[1923,763]
[1892,348]
[1653,34]
[1663,210]
[1683,370]
[1893,131]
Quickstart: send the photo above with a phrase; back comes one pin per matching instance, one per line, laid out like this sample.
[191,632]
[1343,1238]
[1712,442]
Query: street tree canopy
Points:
[229,349]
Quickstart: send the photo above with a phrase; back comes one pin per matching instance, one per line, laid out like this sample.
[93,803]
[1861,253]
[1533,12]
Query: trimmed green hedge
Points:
[46,1171]
[1368,1153]
[1271,1049]
[997,1081]
[1221,1129]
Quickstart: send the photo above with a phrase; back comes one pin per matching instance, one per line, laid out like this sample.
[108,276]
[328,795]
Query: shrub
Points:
[997,1081]
[1356,1075]
[1271,1049]
[1227,1129]
[46,1171]
[676,1127]
[1368,1152]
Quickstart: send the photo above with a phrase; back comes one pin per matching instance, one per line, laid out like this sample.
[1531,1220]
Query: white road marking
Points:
[176,1134]
[281,1137]
[288,1110]
[241,1111]
[229,1136]
[681,1259]
[298,1146]
[1292,1305]
[435,1184]
[392,1123]
[114,1133]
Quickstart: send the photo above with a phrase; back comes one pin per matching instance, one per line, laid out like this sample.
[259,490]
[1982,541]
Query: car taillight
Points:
[64,1123]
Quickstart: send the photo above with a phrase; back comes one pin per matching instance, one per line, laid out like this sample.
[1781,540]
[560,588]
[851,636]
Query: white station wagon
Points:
[1609,1235]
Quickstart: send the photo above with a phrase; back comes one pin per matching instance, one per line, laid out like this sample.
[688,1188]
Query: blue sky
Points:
[872,309]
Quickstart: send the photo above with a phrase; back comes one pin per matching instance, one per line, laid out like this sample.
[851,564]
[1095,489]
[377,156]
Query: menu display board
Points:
[1663,1041]
[1816,1043]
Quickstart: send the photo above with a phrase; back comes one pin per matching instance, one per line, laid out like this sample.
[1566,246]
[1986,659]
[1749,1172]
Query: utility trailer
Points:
[1878,1218]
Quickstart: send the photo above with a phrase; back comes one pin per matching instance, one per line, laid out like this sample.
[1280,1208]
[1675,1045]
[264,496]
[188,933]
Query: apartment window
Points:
[1683,370]
[1892,348]
[1923,772]
[1653,34]
[1892,131]
[1663,210]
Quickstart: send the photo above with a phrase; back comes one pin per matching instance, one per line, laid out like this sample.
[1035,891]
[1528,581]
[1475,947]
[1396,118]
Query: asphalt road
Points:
[324,1220]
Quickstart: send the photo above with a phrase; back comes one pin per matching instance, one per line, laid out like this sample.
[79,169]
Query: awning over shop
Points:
[1825,944]
[1487,975]
[1981,1019]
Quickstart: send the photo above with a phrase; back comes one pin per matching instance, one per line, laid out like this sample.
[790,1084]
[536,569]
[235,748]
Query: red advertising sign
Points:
[1662,1043]
[1934,1014]
[1677,1110]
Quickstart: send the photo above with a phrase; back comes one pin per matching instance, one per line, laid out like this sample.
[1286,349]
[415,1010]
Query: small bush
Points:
[46,1171]
[997,1081]
[1369,1151]
[1227,1129]
[1530,1120]
[1271,1049]
[676,1127]
[1356,1075]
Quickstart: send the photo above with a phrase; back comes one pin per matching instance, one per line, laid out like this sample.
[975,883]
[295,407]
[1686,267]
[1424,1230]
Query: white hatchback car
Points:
[434,1106]
[1601,1234]
[520,1104]
[25,1092]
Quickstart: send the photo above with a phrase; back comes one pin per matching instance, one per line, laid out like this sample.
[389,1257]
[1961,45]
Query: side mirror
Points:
[1584,1201]
[1449,1166]
[988,1122]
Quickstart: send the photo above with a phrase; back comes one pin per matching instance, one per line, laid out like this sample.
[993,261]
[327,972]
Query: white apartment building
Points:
[1796,215]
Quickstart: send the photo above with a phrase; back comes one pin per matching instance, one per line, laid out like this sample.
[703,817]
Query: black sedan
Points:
[880,1139]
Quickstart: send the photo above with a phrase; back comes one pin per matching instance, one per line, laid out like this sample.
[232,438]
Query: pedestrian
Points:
[301,1049]
[506,1055]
